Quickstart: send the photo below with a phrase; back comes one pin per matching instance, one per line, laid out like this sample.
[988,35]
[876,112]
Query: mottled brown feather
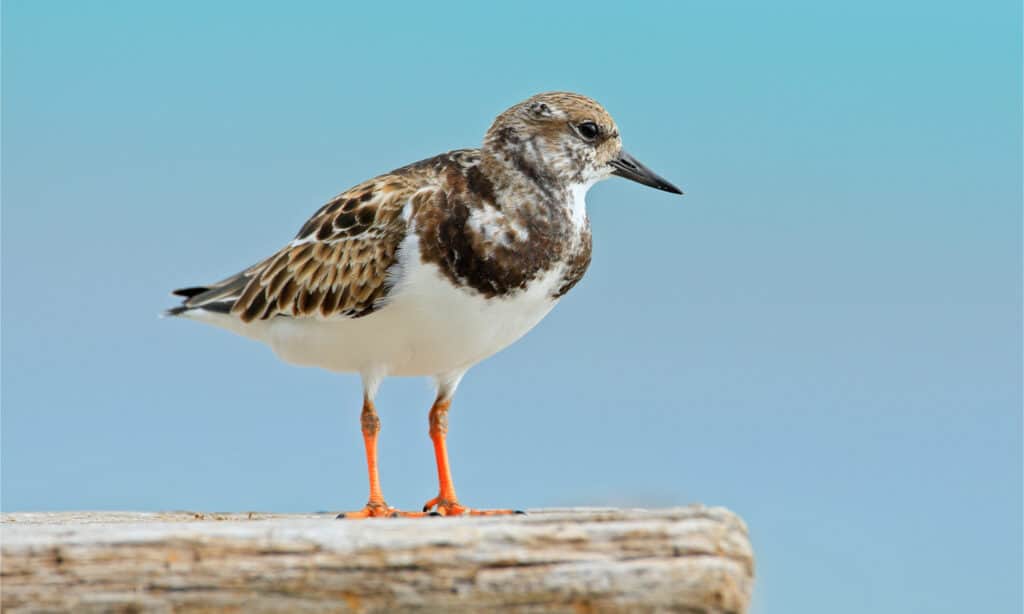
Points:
[337,265]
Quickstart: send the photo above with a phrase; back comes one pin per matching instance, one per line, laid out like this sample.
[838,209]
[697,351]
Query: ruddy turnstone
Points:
[433,267]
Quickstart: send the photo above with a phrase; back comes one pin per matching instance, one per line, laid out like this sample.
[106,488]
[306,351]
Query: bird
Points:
[433,267]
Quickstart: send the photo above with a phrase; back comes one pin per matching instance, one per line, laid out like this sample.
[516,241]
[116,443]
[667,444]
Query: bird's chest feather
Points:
[498,252]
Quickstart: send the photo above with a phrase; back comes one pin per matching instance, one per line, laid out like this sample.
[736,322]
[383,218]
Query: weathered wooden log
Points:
[693,559]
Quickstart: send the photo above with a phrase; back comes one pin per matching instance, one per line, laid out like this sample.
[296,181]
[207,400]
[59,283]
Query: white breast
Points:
[427,327]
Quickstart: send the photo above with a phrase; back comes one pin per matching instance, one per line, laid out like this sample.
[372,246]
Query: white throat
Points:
[578,203]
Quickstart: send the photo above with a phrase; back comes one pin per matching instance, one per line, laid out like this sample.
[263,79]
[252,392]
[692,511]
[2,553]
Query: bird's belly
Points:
[429,327]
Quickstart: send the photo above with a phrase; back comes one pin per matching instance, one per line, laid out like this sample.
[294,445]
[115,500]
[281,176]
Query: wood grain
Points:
[693,559]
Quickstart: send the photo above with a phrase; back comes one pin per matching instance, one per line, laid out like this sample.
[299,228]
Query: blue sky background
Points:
[823,335]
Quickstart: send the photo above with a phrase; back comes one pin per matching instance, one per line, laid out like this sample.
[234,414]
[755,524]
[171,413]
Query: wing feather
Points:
[337,265]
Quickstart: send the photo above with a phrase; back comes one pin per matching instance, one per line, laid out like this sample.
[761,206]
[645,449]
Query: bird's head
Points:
[562,140]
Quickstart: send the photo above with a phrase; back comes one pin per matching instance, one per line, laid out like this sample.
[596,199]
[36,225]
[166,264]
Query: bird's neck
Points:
[524,179]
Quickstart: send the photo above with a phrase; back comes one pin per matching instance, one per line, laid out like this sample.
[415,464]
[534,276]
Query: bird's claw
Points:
[377,510]
[449,507]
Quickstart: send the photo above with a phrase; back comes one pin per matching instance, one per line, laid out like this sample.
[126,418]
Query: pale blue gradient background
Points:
[824,334]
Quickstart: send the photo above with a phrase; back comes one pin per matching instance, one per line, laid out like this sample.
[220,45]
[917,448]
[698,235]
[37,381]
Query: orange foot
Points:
[378,510]
[446,507]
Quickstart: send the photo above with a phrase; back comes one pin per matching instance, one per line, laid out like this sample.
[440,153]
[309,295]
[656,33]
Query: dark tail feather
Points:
[213,306]
[175,311]
[218,298]
[189,292]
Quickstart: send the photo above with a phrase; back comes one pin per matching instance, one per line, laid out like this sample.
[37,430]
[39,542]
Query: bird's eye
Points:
[589,130]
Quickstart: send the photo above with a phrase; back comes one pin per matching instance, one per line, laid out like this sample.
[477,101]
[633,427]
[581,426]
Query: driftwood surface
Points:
[693,559]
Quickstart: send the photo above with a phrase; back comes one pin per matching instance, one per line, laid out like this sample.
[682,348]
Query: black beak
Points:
[627,166]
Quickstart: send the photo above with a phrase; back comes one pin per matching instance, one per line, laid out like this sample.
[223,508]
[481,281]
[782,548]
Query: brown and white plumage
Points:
[336,266]
[437,265]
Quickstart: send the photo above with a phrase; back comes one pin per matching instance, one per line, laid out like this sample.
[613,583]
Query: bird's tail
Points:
[218,298]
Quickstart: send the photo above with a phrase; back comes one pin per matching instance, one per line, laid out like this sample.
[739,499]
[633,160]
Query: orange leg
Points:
[446,502]
[376,507]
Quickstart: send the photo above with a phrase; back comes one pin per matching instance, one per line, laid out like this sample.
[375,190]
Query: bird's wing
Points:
[337,265]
